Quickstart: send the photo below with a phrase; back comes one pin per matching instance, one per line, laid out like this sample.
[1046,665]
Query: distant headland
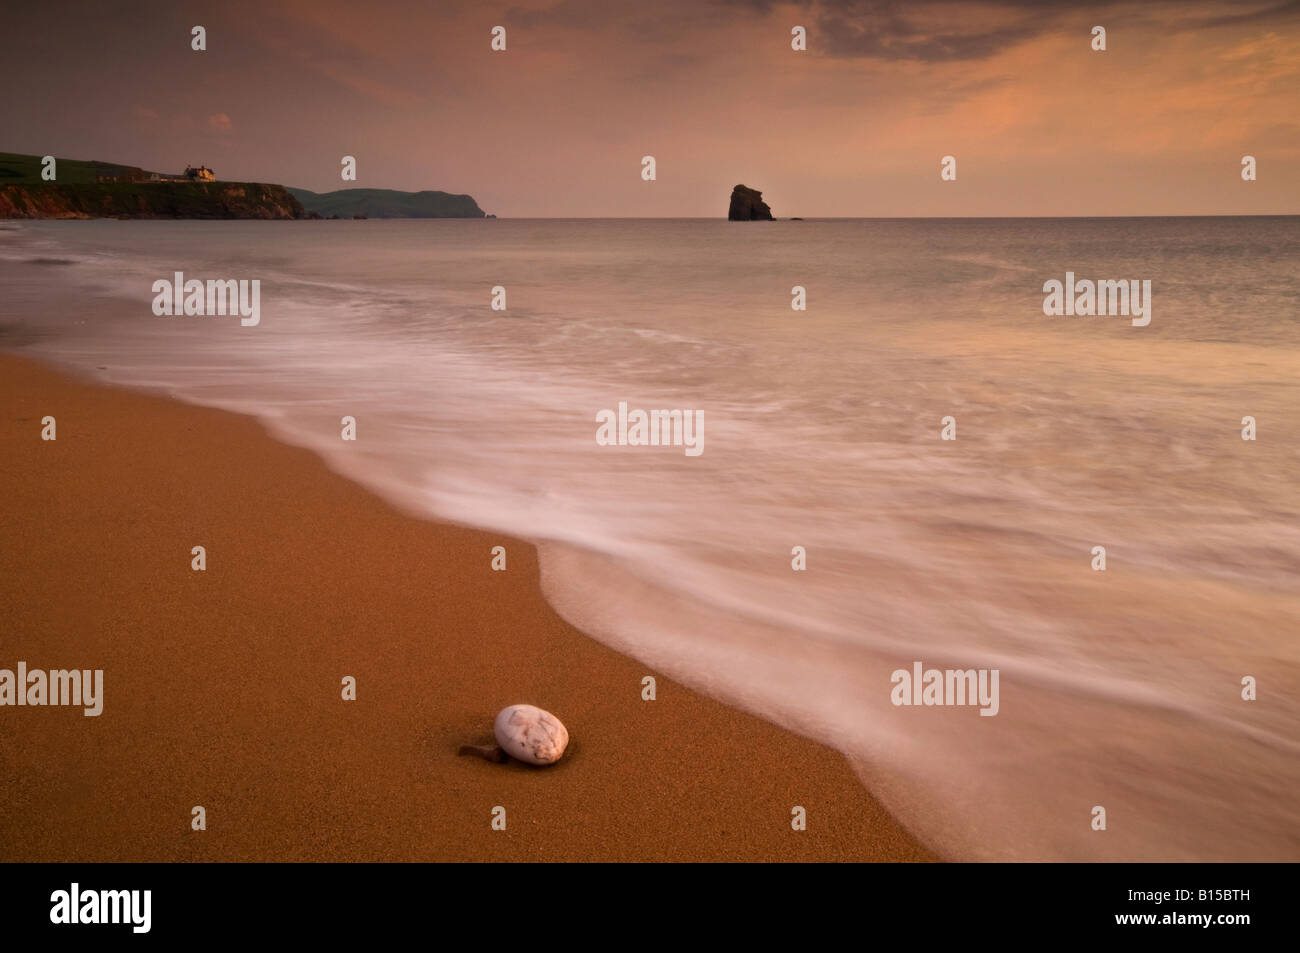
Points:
[388,203]
[45,187]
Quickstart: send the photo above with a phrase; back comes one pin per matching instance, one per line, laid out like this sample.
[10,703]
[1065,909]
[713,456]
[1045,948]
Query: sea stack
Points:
[747,205]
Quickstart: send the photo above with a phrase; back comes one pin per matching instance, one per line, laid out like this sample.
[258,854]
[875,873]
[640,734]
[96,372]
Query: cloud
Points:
[941,31]
[884,31]
[220,122]
[1280,13]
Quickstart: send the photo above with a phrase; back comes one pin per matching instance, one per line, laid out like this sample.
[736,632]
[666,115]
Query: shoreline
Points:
[222,687]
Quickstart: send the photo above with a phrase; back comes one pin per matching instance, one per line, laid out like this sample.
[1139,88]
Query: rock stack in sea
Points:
[747,205]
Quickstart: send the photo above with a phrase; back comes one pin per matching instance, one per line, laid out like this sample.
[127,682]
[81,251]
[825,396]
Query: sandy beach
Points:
[222,688]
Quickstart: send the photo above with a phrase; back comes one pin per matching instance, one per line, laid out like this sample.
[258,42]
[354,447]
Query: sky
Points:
[1039,123]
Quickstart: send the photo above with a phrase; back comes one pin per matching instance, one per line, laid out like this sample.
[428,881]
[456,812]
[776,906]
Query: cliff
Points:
[388,203]
[17,168]
[149,200]
[747,205]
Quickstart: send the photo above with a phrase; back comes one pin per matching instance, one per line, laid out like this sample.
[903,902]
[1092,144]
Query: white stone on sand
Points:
[530,734]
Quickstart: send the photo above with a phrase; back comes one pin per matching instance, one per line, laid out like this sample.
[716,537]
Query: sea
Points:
[919,467]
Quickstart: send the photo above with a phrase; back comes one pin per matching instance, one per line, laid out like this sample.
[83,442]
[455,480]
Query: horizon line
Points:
[834,218]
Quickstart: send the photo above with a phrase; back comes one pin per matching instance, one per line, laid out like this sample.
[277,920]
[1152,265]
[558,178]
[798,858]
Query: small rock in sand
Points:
[530,734]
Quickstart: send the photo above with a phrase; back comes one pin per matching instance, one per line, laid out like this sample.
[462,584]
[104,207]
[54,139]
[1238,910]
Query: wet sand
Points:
[223,688]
